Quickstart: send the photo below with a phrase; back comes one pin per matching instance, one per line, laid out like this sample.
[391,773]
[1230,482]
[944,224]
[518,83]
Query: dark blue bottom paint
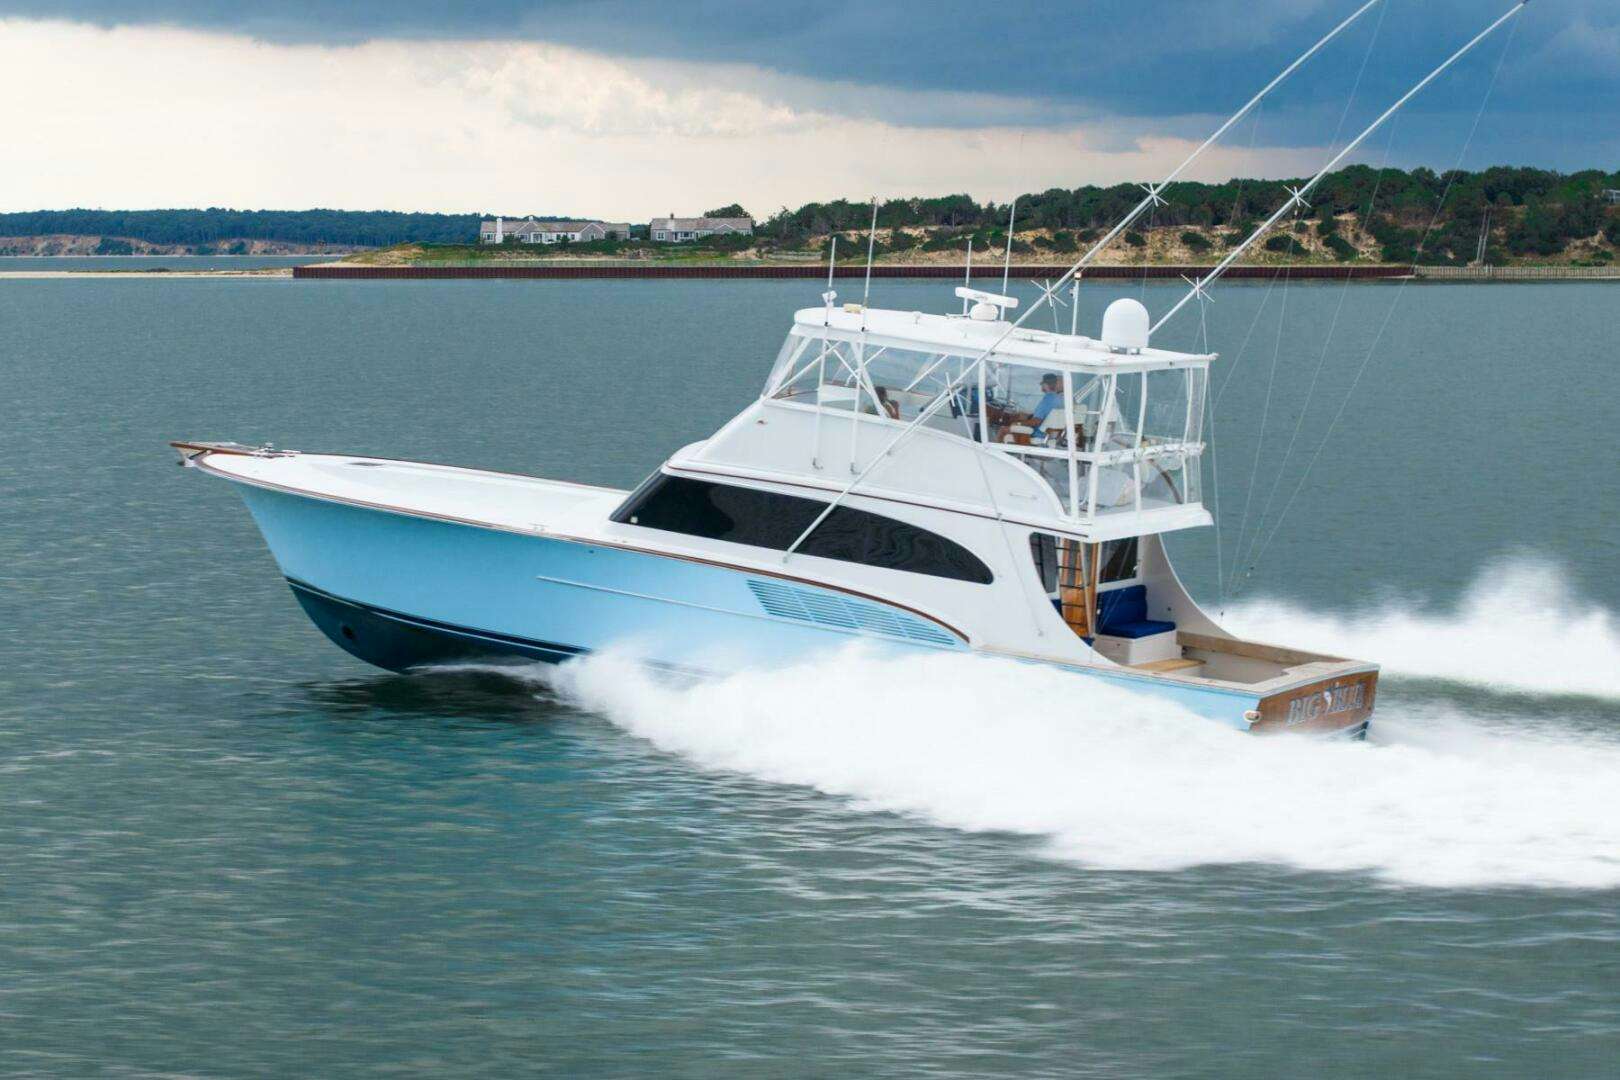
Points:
[398,642]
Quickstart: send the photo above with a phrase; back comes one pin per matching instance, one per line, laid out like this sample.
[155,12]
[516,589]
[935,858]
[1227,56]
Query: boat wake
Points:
[1110,779]
[1519,628]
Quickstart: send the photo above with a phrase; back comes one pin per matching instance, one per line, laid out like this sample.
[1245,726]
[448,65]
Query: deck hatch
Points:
[844,613]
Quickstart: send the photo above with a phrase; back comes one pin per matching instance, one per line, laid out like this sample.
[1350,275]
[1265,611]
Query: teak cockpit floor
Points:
[1180,664]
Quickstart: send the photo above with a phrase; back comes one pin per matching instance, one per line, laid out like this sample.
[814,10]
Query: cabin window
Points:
[1051,553]
[1043,549]
[1118,561]
[772,520]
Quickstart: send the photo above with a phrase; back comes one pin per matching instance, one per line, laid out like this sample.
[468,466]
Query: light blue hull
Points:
[398,591]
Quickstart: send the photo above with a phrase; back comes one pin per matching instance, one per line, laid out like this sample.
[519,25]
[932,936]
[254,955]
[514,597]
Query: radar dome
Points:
[1125,326]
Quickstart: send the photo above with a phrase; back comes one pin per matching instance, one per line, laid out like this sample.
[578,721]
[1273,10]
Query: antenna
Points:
[861,380]
[1006,261]
[829,296]
[1297,195]
[871,237]
[967,277]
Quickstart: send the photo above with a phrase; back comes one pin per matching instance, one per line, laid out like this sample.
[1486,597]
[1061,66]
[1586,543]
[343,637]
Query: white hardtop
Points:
[959,335]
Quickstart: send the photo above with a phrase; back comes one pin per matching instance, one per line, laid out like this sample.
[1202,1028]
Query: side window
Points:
[898,546]
[695,508]
[771,520]
[1118,560]
[1043,549]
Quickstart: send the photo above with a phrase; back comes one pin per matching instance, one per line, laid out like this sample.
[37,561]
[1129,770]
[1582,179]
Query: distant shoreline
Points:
[609,269]
[563,269]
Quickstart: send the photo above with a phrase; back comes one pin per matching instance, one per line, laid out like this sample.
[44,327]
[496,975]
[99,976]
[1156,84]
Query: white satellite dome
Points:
[1125,326]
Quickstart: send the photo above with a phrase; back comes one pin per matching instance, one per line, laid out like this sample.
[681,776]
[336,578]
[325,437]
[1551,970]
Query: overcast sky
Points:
[629,108]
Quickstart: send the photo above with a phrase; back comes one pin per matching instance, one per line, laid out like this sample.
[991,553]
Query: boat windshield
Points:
[1120,434]
[891,381]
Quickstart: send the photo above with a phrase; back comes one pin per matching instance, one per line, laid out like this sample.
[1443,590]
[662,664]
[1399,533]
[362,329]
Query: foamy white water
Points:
[1112,779]
[1520,627]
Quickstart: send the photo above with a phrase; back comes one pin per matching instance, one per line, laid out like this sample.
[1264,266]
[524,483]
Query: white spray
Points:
[1109,778]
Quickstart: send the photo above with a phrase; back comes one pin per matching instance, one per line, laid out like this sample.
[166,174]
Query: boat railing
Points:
[1149,421]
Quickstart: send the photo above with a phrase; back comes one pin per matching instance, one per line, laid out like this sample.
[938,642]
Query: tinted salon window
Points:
[768,519]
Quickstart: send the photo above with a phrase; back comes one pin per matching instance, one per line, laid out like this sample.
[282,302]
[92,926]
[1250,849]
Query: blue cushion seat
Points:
[1123,613]
[1140,629]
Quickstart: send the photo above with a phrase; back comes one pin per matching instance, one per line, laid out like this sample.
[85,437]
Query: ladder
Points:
[1077,566]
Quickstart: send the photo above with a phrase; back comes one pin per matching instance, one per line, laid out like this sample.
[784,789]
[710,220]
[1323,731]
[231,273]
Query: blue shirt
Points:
[1048,402]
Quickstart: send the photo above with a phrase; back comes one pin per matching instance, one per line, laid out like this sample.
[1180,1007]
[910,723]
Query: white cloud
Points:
[558,89]
[146,117]
[1581,48]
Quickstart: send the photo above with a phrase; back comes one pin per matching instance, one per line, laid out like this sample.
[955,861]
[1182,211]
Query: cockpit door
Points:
[1070,569]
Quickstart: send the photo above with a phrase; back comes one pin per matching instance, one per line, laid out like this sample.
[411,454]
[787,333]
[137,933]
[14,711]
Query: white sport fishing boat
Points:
[925,482]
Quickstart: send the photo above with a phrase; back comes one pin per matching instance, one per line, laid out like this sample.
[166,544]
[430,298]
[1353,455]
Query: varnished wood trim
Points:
[1277,654]
[1315,711]
[1163,666]
[217,448]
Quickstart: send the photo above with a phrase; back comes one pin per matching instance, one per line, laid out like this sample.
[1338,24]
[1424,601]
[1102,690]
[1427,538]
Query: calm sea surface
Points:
[228,849]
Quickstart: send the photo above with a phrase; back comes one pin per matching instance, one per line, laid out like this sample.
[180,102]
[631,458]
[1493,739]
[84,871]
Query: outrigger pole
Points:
[1297,195]
[1152,199]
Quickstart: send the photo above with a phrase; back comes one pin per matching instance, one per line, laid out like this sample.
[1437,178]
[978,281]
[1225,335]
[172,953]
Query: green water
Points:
[229,849]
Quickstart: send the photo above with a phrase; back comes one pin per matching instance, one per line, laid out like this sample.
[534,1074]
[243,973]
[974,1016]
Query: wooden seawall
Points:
[983,276]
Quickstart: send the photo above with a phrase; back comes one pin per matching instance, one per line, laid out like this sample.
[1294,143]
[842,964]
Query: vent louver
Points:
[844,613]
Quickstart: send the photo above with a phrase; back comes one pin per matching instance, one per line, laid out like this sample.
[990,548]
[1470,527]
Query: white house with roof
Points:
[530,231]
[674,229]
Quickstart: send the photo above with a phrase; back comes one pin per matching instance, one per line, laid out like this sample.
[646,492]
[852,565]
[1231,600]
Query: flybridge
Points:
[966,337]
[1099,437]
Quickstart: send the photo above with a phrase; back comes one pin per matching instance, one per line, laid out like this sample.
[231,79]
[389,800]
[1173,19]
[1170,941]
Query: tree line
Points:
[361,228]
[1530,212]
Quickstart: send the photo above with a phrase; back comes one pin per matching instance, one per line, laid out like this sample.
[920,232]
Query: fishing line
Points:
[1344,290]
[1243,348]
[1355,87]
[1321,360]
[1394,303]
[1254,139]
[1147,250]
[1265,412]
[1214,463]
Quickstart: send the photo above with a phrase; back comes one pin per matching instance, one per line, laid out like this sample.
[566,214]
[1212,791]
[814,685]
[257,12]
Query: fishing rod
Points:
[1297,195]
[1153,198]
